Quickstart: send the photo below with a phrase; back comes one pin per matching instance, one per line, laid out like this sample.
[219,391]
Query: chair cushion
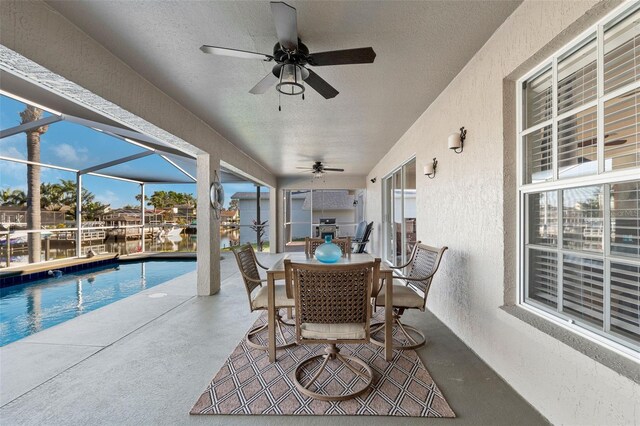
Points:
[403,296]
[259,300]
[311,330]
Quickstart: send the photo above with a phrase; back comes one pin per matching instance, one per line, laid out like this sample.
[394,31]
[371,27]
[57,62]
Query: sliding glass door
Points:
[316,212]
[399,213]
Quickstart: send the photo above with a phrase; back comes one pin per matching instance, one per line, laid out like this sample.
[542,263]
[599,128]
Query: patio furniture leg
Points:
[333,353]
[271,303]
[388,317]
[251,333]
[404,329]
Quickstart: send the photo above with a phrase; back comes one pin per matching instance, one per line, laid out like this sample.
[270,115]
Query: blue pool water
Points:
[28,308]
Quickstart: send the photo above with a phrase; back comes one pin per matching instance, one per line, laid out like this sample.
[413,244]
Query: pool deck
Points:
[147,358]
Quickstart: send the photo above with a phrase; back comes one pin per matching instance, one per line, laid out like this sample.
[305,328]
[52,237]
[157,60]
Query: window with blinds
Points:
[580,182]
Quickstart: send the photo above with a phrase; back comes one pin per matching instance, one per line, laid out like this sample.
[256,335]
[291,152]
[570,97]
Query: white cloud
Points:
[13,146]
[13,175]
[70,155]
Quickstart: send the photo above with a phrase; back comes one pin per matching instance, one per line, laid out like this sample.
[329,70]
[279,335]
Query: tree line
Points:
[168,199]
[57,197]
[62,196]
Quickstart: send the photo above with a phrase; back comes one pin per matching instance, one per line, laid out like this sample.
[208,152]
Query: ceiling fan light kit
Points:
[291,80]
[292,57]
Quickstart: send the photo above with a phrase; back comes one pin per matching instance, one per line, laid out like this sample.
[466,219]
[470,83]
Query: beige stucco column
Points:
[208,228]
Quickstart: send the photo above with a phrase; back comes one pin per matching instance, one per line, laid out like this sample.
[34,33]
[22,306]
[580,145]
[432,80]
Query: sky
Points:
[77,147]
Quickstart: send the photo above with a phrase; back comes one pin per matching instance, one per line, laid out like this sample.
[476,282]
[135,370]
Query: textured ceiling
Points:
[420,47]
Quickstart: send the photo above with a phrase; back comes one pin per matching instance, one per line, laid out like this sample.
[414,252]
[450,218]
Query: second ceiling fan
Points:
[292,58]
[318,169]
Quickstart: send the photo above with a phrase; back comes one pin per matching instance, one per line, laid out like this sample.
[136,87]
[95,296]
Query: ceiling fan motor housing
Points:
[299,55]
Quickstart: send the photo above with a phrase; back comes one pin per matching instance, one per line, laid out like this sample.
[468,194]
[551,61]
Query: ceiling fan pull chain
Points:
[279,104]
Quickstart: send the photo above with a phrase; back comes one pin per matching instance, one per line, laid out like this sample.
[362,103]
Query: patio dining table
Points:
[276,272]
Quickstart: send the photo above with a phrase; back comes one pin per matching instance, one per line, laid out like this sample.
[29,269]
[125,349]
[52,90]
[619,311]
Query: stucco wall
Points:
[464,208]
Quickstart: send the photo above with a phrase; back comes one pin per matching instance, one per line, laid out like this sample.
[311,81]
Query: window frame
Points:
[604,178]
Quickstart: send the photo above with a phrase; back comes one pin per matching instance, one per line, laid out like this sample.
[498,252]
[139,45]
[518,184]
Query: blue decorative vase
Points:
[328,252]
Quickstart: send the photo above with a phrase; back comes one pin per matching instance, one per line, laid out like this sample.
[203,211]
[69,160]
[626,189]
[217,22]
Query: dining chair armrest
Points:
[400,266]
[253,280]
[418,278]
[261,265]
[414,278]
[376,287]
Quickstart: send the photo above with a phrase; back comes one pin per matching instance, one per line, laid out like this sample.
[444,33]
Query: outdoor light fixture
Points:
[292,77]
[430,169]
[456,140]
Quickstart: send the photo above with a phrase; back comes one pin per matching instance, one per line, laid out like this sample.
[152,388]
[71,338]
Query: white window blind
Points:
[583,288]
[539,154]
[543,277]
[538,99]
[625,219]
[621,52]
[622,131]
[625,300]
[580,143]
[577,77]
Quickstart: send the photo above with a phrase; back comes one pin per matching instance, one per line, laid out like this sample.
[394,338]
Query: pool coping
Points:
[23,274]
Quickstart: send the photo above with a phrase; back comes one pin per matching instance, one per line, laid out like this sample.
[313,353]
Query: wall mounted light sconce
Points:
[456,140]
[430,169]
[374,180]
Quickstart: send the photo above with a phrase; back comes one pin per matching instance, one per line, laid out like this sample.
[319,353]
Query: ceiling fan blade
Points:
[265,84]
[321,86]
[304,168]
[364,55]
[286,21]
[225,51]
[330,169]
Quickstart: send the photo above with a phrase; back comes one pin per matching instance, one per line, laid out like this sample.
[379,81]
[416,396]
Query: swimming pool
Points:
[28,308]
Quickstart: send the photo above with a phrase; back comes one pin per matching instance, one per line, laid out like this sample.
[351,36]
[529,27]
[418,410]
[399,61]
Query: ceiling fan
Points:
[292,58]
[318,169]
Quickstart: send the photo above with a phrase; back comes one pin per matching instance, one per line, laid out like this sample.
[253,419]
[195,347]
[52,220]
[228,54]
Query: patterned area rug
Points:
[249,384]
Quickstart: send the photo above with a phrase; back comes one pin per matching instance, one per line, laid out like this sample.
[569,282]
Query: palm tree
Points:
[15,197]
[34,220]
[68,189]
[51,196]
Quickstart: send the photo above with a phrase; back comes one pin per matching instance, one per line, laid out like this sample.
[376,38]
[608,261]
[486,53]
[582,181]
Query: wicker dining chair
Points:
[258,295]
[410,291]
[311,244]
[332,306]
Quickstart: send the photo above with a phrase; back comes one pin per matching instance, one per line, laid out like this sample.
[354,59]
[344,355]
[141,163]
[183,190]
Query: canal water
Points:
[180,243]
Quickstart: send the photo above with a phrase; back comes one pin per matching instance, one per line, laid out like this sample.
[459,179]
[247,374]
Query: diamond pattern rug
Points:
[249,384]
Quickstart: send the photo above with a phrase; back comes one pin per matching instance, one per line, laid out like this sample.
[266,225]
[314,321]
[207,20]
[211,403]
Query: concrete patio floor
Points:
[146,360]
